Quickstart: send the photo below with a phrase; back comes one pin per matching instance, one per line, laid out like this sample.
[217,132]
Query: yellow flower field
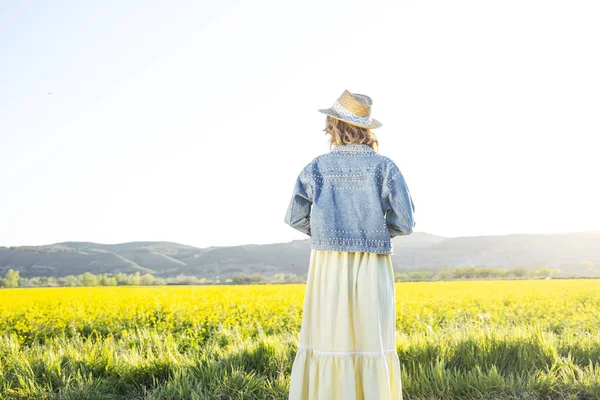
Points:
[470,337]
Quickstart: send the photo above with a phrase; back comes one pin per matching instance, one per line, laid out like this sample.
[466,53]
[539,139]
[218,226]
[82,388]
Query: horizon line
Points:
[295,240]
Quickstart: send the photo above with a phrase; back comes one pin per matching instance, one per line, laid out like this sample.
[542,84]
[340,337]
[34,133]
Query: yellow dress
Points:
[347,342]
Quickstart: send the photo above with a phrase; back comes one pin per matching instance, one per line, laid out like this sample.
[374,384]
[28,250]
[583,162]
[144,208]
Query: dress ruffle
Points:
[353,376]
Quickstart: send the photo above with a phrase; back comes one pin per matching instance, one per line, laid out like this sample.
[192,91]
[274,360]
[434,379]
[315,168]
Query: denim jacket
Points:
[351,199]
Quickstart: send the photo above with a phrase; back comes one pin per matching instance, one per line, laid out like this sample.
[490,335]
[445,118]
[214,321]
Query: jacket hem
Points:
[344,245]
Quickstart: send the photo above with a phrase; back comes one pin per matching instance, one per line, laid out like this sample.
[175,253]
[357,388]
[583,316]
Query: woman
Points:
[351,202]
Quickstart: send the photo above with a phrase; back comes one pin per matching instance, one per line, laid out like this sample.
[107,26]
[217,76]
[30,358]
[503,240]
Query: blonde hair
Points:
[343,133]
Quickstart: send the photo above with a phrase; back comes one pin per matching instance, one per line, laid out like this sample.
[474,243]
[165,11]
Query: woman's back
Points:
[351,199]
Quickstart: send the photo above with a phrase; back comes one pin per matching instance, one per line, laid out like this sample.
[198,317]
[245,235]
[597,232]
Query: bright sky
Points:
[190,122]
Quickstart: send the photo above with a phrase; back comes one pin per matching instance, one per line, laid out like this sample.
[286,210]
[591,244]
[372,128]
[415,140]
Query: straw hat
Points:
[354,109]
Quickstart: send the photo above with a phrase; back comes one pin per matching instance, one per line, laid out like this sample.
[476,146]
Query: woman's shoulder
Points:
[311,167]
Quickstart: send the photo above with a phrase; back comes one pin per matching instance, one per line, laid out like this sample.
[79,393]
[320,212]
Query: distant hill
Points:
[577,254]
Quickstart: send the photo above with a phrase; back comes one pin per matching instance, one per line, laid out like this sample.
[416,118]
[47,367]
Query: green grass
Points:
[519,363]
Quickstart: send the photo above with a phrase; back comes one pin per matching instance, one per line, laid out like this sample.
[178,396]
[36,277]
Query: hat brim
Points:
[332,113]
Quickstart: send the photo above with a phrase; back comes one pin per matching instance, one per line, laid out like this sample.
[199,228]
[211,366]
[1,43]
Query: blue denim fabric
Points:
[351,199]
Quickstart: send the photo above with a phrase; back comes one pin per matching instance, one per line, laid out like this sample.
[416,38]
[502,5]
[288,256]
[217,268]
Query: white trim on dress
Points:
[343,353]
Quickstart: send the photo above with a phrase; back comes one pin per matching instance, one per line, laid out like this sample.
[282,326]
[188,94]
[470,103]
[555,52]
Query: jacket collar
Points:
[363,148]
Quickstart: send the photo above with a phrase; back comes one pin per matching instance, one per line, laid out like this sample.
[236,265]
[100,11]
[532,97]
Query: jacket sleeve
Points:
[398,207]
[298,211]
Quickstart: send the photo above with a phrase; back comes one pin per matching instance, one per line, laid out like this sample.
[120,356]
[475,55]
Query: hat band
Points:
[351,116]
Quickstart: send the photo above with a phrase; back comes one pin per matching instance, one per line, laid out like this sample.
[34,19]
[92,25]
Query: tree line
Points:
[477,273]
[12,279]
